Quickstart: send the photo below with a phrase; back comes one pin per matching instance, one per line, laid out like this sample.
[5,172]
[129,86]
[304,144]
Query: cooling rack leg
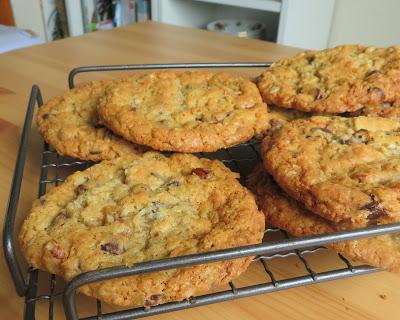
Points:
[29,311]
[8,230]
[69,302]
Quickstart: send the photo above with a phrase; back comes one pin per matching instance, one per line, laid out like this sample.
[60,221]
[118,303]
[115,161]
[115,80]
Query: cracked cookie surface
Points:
[141,208]
[344,169]
[336,80]
[290,215]
[71,125]
[185,111]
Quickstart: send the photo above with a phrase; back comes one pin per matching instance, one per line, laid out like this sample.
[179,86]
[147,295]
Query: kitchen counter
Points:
[374,296]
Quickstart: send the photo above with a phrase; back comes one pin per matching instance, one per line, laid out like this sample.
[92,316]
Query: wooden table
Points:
[374,296]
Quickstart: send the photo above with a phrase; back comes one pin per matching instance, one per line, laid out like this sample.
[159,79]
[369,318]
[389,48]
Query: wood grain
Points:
[4,91]
[368,297]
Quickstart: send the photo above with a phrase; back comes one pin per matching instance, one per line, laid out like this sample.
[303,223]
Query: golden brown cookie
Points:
[140,208]
[70,123]
[279,116]
[287,214]
[341,79]
[190,111]
[285,115]
[385,110]
[345,169]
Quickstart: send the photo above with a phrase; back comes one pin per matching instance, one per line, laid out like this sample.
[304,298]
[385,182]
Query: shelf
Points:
[298,23]
[266,5]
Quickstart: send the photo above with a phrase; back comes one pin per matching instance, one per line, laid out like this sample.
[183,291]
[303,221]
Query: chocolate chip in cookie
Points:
[111,247]
[153,300]
[376,208]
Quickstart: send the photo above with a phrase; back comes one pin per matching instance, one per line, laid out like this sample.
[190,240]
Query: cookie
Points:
[185,111]
[385,110]
[287,214]
[345,169]
[70,124]
[277,117]
[342,79]
[286,115]
[140,208]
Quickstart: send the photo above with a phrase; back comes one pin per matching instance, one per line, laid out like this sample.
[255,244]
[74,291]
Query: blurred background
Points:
[308,24]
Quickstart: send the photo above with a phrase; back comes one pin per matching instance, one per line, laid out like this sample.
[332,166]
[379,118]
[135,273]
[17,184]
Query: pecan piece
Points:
[111,247]
[82,188]
[201,172]
[45,116]
[153,300]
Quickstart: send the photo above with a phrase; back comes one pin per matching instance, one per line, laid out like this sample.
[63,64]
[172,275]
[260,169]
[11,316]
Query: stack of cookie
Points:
[167,111]
[139,205]
[327,173]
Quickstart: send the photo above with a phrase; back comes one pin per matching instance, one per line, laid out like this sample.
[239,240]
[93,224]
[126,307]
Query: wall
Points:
[354,21]
[366,22]
[27,15]
[306,23]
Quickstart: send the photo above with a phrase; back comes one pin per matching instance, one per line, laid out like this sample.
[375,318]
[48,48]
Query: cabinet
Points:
[299,23]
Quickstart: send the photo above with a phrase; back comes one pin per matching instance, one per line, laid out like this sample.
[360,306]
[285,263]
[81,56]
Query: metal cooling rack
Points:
[242,158]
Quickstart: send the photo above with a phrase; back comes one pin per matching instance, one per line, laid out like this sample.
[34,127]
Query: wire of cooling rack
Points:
[155,66]
[242,159]
[8,230]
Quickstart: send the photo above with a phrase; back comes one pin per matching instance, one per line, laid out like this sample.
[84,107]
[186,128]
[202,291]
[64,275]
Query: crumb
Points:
[382,296]
[343,299]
